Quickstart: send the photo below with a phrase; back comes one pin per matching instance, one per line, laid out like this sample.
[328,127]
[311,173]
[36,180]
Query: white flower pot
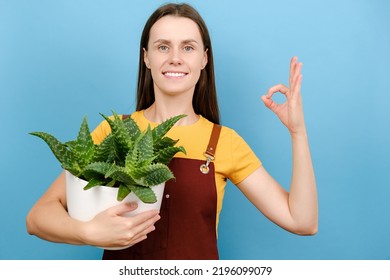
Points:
[84,205]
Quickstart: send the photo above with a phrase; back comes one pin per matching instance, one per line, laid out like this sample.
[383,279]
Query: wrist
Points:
[299,135]
[82,232]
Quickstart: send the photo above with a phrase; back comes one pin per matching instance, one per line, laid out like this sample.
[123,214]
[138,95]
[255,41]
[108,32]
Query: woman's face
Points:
[175,55]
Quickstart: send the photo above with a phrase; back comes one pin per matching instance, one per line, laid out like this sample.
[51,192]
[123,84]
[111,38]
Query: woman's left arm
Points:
[296,210]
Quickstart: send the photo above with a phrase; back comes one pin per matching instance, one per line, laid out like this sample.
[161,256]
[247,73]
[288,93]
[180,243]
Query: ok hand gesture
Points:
[291,111]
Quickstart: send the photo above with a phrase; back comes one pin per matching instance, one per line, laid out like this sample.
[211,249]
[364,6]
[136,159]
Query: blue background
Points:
[62,60]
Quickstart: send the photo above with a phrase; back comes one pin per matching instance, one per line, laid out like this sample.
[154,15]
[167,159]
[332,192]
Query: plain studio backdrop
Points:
[63,60]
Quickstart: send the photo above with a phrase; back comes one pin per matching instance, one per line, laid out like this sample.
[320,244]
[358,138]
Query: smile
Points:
[174,74]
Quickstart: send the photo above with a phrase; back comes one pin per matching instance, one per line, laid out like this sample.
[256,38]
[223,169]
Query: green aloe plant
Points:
[128,159]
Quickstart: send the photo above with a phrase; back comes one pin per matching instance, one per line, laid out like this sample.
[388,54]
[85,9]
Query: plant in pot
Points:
[128,165]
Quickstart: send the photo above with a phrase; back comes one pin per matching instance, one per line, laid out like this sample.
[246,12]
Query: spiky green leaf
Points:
[145,148]
[165,155]
[71,144]
[152,175]
[132,158]
[94,182]
[100,168]
[121,135]
[146,195]
[163,143]
[162,129]
[105,151]
[123,191]
[84,147]
[132,128]
[67,159]
[119,174]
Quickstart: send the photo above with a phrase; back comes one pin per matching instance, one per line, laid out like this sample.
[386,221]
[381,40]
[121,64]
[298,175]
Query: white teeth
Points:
[173,74]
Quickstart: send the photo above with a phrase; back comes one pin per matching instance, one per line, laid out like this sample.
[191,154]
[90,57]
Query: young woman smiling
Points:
[176,76]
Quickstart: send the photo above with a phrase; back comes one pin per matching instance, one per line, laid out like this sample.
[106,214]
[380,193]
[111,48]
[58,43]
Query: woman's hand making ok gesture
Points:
[291,111]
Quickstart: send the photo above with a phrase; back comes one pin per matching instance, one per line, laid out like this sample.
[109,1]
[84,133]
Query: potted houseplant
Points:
[128,165]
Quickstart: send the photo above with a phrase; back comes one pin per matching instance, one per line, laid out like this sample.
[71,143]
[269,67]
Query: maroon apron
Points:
[187,228]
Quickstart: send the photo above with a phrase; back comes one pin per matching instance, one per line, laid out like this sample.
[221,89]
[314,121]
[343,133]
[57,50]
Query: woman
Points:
[176,76]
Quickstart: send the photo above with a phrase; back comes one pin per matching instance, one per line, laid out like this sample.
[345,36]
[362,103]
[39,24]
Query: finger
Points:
[142,235]
[270,104]
[147,230]
[150,216]
[142,229]
[122,208]
[293,64]
[139,239]
[295,70]
[295,86]
[277,88]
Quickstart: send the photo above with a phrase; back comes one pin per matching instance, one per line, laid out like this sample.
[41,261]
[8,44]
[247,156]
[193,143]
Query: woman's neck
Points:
[158,112]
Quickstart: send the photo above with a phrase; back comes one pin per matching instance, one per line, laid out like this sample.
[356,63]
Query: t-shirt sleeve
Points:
[243,160]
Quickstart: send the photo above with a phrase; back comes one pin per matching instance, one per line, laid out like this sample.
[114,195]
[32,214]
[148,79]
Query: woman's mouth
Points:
[174,74]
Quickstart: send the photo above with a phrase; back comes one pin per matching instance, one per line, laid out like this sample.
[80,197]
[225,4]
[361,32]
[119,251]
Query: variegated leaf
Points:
[162,129]
[122,139]
[84,146]
[96,168]
[132,127]
[146,195]
[123,191]
[105,151]
[152,175]
[140,172]
[67,159]
[145,147]
[132,158]
[119,174]
[165,155]
[95,182]
[163,143]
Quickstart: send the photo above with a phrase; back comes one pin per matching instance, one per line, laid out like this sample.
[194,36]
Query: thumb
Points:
[269,103]
[123,208]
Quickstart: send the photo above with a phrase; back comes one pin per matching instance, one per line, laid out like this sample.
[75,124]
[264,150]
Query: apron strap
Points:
[211,148]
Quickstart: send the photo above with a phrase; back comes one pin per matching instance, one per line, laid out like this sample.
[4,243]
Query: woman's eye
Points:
[163,48]
[188,48]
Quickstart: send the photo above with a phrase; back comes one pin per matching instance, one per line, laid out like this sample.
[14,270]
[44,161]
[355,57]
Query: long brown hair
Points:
[205,96]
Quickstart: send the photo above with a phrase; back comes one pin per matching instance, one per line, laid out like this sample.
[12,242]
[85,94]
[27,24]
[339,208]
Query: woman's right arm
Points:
[48,219]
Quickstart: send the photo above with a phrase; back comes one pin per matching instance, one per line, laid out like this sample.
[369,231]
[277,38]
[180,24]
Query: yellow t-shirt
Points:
[234,159]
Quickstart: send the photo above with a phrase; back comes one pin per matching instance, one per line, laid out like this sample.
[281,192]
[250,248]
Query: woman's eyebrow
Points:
[161,41]
[188,41]
[164,41]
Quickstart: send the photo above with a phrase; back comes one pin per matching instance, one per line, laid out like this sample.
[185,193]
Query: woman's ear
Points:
[146,60]
[205,59]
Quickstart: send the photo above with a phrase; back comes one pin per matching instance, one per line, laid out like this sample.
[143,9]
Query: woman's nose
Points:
[176,58]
